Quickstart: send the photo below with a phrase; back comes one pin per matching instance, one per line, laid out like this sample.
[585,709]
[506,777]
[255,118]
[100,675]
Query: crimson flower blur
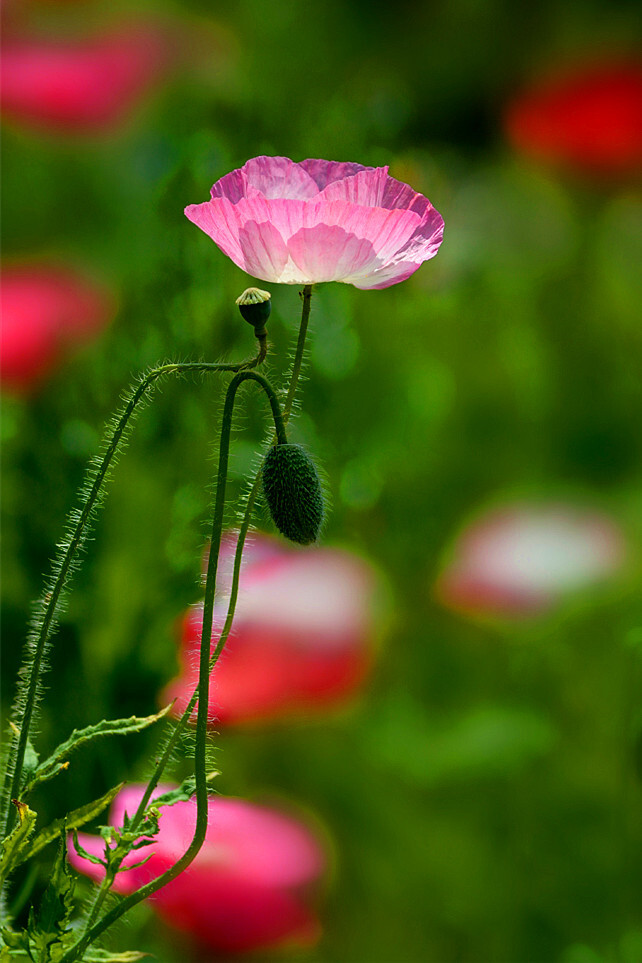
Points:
[46,311]
[251,886]
[588,119]
[318,220]
[80,86]
[519,560]
[302,639]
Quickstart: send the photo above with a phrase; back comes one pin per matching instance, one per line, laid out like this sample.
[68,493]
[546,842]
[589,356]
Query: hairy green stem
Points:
[92,932]
[47,608]
[295,372]
[200,775]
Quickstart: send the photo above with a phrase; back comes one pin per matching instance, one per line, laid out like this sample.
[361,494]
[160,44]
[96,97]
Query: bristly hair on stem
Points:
[200,750]
[99,927]
[46,611]
[206,662]
[293,378]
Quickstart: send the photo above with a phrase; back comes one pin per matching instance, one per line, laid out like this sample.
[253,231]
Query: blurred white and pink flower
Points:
[253,885]
[318,220]
[520,559]
[303,639]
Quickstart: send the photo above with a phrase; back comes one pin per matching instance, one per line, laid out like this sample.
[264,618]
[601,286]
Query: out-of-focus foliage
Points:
[484,796]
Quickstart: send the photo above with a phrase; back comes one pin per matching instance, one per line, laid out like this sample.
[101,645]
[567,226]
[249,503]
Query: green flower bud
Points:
[255,306]
[293,493]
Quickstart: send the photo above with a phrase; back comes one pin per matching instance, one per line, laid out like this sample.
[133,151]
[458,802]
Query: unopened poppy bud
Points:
[255,306]
[293,493]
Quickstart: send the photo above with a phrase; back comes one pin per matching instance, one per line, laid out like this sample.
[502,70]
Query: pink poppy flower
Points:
[83,85]
[588,118]
[519,560]
[303,634]
[318,220]
[251,886]
[46,311]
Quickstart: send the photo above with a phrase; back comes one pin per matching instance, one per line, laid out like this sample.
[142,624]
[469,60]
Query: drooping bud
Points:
[255,306]
[293,493]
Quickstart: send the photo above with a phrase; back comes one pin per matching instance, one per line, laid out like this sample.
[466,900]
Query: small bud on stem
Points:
[293,492]
[255,306]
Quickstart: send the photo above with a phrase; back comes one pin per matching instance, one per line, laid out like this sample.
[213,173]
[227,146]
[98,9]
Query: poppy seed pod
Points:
[255,306]
[293,493]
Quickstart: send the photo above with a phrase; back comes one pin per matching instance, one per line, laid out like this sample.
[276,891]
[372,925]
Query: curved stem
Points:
[47,608]
[92,933]
[295,372]
[202,694]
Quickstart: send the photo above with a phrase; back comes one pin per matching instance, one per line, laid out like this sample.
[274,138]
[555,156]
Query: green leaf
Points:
[140,863]
[17,839]
[49,932]
[104,956]
[57,905]
[58,761]
[182,793]
[96,860]
[14,941]
[30,763]
[74,820]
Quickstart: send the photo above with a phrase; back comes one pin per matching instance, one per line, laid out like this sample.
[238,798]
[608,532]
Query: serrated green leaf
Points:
[141,843]
[140,863]
[58,761]
[49,933]
[14,941]
[7,957]
[96,860]
[74,820]
[41,944]
[57,905]
[182,793]
[17,839]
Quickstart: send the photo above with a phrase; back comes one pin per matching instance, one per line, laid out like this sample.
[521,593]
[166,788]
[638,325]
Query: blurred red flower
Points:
[252,885]
[588,119]
[46,310]
[80,86]
[520,560]
[302,639]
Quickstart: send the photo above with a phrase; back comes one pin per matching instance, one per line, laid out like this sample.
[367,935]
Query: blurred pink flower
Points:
[519,560]
[588,118]
[80,86]
[302,639]
[318,220]
[251,886]
[45,311]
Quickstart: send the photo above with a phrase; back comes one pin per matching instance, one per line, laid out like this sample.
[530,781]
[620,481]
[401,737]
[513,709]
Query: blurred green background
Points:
[484,795]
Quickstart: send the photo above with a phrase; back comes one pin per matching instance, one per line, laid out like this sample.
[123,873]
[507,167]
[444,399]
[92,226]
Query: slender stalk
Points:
[295,372]
[200,775]
[50,601]
[92,932]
